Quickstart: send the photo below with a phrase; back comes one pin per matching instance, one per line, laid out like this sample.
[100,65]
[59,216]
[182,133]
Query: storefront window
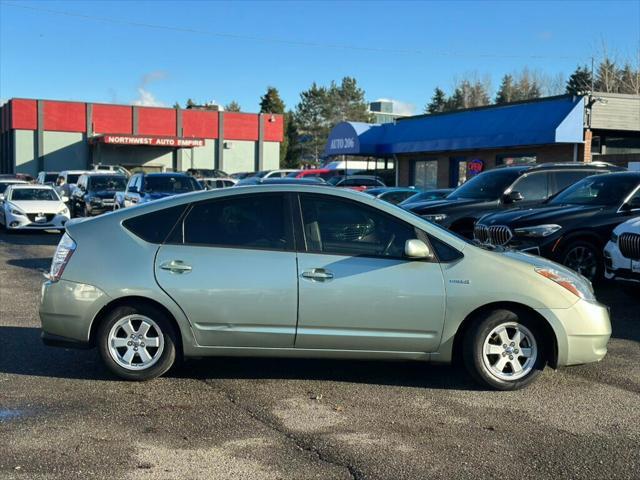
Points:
[622,145]
[511,159]
[425,174]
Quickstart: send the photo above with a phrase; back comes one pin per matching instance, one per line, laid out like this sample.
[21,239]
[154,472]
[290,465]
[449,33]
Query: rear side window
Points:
[561,180]
[252,221]
[154,227]
[533,186]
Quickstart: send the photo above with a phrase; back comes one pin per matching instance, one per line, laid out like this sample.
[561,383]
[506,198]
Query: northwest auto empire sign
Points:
[176,142]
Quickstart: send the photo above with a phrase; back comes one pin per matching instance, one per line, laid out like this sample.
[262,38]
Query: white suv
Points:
[622,253]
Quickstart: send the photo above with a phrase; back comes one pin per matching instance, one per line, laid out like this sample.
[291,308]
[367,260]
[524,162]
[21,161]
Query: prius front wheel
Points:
[137,342]
[504,351]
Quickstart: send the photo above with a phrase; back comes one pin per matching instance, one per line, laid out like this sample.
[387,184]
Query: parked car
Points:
[323,173]
[5,182]
[96,193]
[425,195]
[572,227]
[281,181]
[328,273]
[503,189]
[47,178]
[622,252]
[240,175]
[359,183]
[207,173]
[147,187]
[393,195]
[211,183]
[71,177]
[32,207]
[114,169]
[267,174]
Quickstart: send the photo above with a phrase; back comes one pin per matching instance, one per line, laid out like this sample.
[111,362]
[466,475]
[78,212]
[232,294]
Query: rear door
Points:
[231,266]
[357,291]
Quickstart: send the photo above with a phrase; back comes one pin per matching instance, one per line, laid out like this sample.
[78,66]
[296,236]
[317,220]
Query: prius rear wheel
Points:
[137,342]
[504,350]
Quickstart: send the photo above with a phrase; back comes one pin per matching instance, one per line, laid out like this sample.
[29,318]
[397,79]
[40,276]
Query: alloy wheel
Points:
[135,342]
[509,351]
[583,260]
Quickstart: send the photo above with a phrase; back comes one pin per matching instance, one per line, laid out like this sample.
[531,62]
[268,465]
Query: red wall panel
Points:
[273,130]
[199,124]
[157,121]
[240,126]
[65,116]
[24,114]
[112,119]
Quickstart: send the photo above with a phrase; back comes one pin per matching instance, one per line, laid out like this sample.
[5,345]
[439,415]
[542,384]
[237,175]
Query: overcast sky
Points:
[161,52]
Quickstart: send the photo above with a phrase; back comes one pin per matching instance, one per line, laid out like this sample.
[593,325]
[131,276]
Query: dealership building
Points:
[49,135]
[444,150]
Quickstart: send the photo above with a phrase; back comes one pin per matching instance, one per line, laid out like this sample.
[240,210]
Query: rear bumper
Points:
[67,310]
[63,342]
[582,332]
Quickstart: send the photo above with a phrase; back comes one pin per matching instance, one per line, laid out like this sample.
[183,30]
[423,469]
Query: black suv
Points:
[95,193]
[571,228]
[504,188]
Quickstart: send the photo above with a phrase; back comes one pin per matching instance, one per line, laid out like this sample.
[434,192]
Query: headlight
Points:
[15,211]
[538,230]
[614,237]
[63,211]
[437,217]
[576,284]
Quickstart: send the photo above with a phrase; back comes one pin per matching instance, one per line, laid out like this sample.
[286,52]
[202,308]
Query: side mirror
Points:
[417,249]
[512,197]
[64,198]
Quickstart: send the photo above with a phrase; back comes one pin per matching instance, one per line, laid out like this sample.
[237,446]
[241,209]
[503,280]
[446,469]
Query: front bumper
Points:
[67,310]
[619,267]
[582,332]
[22,222]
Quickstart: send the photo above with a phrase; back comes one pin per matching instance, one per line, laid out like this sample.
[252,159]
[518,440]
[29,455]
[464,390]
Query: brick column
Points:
[588,135]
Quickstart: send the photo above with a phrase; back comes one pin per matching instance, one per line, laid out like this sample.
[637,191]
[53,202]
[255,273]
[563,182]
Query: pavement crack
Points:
[300,442]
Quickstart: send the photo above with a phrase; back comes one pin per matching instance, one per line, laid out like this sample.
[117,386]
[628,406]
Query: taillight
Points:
[65,249]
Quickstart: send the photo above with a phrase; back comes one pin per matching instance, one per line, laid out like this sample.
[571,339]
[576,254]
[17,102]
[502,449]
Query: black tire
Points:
[166,359]
[473,350]
[568,259]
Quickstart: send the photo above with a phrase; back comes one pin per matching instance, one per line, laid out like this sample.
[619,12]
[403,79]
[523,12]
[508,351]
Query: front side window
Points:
[534,186]
[72,178]
[107,183]
[562,180]
[486,186]
[605,190]
[252,221]
[342,227]
[170,184]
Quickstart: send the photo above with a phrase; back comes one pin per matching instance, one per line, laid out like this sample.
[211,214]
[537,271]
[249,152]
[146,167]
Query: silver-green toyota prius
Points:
[310,271]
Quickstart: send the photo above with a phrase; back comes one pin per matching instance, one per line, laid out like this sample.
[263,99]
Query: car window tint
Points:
[533,186]
[154,227]
[253,221]
[342,227]
[562,180]
[396,197]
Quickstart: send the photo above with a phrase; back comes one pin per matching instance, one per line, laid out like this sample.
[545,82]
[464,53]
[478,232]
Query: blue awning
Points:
[542,122]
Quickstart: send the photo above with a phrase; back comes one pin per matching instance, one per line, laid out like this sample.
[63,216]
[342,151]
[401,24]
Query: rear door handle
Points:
[176,266]
[317,274]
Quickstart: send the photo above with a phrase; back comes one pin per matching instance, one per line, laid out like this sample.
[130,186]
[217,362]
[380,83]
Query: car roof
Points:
[74,171]
[22,186]
[563,165]
[15,181]
[165,174]
[105,173]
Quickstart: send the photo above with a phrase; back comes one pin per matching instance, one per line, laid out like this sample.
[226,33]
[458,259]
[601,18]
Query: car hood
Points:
[104,193]
[541,215]
[632,226]
[38,206]
[436,206]
[541,262]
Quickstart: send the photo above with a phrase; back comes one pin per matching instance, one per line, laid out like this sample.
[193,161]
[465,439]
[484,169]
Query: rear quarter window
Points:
[155,227]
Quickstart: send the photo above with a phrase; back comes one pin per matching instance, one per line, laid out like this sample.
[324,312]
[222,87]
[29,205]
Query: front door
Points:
[357,291]
[231,267]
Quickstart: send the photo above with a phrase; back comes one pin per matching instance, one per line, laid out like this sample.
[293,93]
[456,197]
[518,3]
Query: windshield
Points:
[34,194]
[335,179]
[486,186]
[72,178]
[262,173]
[171,184]
[107,182]
[605,190]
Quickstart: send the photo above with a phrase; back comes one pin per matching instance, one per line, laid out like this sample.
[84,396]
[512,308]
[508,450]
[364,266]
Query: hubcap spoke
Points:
[119,342]
[517,338]
[144,329]
[128,357]
[144,355]
[504,336]
[500,364]
[152,342]
[515,365]
[128,328]
[491,349]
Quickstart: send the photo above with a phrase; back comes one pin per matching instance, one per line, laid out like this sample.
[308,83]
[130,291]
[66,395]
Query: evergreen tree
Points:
[271,102]
[233,106]
[629,80]
[292,138]
[310,119]
[506,91]
[579,81]
[438,102]
[190,103]
[177,105]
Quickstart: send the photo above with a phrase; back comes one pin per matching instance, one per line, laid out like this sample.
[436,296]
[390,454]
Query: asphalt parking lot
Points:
[63,416]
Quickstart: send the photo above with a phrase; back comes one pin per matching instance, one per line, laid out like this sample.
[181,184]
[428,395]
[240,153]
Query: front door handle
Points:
[317,274]
[176,266]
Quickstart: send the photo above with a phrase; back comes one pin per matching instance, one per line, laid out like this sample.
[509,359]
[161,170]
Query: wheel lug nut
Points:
[510,356]
[135,349]
[516,351]
[513,344]
[142,345]
[129,343]
[504,354]
[504,346]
